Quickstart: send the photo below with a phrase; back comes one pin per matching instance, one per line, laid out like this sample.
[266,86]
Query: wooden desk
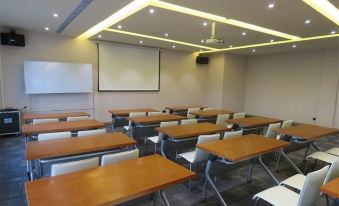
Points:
[211,113]
[125,112]
[76,145]
[156,119]
[182,132]
[181,108]
[251,122]
[107,185]
[31,129]
[236,149]
[331,188]
[30,116]
[308,131]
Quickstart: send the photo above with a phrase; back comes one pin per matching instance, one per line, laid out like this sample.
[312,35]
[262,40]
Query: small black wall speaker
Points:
[201,60]
[12,39]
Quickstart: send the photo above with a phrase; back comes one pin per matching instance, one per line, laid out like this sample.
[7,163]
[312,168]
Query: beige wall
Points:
[298,85]
[182,81]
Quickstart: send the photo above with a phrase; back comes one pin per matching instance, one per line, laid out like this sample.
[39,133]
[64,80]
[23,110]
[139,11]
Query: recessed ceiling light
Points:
[166,34]
[202,41]
[294,46]
[100,36]
[272,40]
[201,50]
[173,46]
[119,26]
[244,33]
[205,23]
[308,21]
[333,32]
[140,42]
[56,15]
[271,6]
[231,46]
[253,50]
[151,11]
[47,28]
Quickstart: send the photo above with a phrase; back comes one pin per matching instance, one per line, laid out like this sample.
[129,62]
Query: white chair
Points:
[207,109]
[40,121]
[239,115]
[157,139]
[91,132]
[297,181]
[221,119]
[322,156]
[190,110]
[74,119]
[198,155]
[282,196]
[120,156]
[228,135]
[188,121]
[287,123]
[333,151]
[133,114]
[154,113]
[54,135]
[68,167]
[272,130]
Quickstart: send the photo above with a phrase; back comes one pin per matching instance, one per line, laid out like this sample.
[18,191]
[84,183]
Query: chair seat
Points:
[323,156]
[154,139]
[126,128]
[333,151]
[296,181]
[189,156]
[279,196]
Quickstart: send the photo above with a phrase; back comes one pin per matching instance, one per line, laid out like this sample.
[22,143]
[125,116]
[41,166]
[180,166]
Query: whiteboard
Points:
[128,68]
[44,77]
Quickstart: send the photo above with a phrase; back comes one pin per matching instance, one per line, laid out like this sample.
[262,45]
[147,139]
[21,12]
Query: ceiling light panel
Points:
[181,28]
[275,19]
[326,8]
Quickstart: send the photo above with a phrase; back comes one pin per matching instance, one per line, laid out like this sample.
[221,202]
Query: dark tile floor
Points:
[231,181]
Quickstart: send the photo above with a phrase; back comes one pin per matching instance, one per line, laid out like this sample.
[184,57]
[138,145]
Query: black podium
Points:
[10,122]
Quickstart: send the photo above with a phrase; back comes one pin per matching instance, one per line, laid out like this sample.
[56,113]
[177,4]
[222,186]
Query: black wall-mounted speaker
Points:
[12,39]
[201,60]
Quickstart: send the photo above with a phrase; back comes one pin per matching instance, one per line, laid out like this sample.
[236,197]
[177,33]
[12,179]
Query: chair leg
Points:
[256,201]
[249,179]
[278,163]
[190,181]
[306,151]
[155,148]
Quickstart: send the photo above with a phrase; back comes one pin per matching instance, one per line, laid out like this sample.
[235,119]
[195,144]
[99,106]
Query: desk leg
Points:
[30,170]
[290,161]
[209,180]
[113,123]
[267,170]
[249,179]
[155,197]
[315,146]
[164,198]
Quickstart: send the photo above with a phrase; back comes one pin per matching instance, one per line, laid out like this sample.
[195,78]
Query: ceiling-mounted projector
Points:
[213,39]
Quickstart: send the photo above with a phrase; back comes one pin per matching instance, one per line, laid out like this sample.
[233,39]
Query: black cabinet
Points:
[10,122]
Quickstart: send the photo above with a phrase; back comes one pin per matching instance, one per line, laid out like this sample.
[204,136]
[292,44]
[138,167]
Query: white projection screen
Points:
[128,68]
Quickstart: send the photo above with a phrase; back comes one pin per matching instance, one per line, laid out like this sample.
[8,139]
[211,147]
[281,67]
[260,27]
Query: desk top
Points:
[191,130]
[125,112]
[308,131]
[182,108]
[30,129]
[331,188]
[249,122]
[31,116]
[156,118]
[107,185]
[244,147]
[211,113]
[76,145]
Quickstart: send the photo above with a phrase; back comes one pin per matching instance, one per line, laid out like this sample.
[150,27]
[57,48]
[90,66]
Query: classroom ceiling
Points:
[286,16]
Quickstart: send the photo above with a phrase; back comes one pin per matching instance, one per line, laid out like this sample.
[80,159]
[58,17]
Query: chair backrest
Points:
[287,123]
[135,114]
[91,132]
[120,156]
[73,119]
[189,121]
[201,155]
[207,109]
[221,119]
[272,130]
[311,189]
[154,113]
[239,115]
[50,120]
[54,135]
[166,124]
[333,172]
[190,110]
[68,167]
[228,135]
